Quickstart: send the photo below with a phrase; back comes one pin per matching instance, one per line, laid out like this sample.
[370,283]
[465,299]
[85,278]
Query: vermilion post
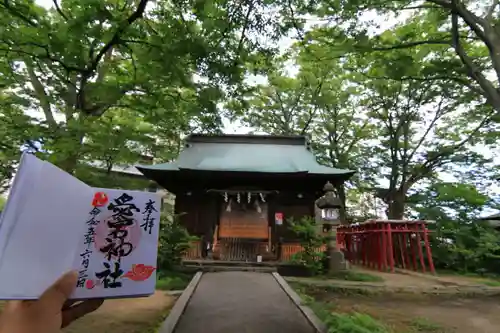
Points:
[405,248]
[354,246]
[364,244]
[373,248]
[349,241]
[400,244]
[383,250]
[419,247]
[428,249]
[390,248]
[413,245]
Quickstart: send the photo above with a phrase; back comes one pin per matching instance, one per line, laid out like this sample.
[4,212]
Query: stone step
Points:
[207,262]
[225,268]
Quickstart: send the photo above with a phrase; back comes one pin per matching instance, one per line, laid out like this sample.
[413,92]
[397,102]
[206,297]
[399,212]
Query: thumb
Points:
[54,297]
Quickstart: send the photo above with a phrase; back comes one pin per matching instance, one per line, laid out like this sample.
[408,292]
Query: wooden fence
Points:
[288,250]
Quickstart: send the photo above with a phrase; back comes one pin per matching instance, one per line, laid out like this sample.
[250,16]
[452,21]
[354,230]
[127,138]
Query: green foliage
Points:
[3,201]
[425,325]
[306,231]
[459,241]
[173,242]
[344,322]
[109,81]
[353,275]
[173,281]
[461,51]
[353,323]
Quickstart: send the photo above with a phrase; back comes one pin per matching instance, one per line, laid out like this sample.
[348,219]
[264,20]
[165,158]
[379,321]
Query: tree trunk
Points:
[396,207]
[342,197]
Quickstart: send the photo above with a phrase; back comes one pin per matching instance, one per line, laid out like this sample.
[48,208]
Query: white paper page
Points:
[130,252]
[40,228]
[26,175]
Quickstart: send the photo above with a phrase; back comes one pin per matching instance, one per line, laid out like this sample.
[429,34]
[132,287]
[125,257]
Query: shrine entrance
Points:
[243,232]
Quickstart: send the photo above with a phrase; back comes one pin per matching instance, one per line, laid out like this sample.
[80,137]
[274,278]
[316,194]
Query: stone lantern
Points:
[330,206]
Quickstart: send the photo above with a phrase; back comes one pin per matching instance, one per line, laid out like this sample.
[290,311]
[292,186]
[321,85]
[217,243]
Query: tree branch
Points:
[410,44]
[116,36]
[491,10]
[41,95]
[17,14]
[489,91]
[91,68]
[436,117]
[59,10]
[437,160]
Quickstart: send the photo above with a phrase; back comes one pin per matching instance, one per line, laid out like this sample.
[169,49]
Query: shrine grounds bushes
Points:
[173,280]
[174,241]
[313,260]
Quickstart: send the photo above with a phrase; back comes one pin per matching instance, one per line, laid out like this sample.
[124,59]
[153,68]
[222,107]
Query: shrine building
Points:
[238,192]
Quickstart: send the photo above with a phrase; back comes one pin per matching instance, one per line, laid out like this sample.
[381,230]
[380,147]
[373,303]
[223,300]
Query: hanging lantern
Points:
[238,198]
[228,207]
[226,198]
[249,197]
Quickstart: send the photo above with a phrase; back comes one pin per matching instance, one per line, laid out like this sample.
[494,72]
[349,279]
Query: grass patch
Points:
[351,275]
[489,283]
[341,322]
[488,279]
[173,281]
[425,325]
[354,323]
[328,291]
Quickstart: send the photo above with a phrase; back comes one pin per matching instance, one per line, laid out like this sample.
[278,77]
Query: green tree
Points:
[17,132]
[463,34]
[423,125]
[164,63]
[459,241]
[312,103]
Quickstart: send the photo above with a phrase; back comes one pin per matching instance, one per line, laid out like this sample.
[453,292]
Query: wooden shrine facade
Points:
[240,225]
[238,193]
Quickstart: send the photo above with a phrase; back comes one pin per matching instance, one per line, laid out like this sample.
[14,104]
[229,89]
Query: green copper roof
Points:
[247,153]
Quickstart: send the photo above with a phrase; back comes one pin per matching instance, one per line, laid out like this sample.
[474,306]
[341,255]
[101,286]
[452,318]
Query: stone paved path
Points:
[241,302]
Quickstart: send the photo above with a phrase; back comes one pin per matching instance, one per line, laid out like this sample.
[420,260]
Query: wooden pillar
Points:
[428,248]
[383,250]
[401,241]
[406,248]
[419,247]
[390,249]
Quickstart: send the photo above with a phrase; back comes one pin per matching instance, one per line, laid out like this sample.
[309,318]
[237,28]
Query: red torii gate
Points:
[386,244]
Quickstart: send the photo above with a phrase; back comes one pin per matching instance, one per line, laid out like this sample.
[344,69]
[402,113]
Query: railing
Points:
[388,244]
[290,249]
[194,252]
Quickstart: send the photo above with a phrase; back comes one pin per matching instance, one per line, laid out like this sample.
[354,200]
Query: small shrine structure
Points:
[238,192]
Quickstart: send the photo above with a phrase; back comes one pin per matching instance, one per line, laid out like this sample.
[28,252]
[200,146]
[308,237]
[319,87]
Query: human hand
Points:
[51,312]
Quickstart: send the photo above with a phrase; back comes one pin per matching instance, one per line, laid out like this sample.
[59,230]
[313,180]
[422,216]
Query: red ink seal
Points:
[139,272]
[102,232]
[100,199]
[89,284]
